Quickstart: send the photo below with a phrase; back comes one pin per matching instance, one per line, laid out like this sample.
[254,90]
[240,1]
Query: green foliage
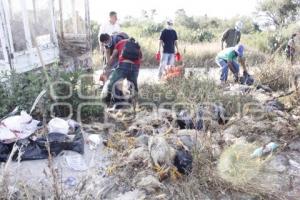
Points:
[280,12]
[182,19]
[22,89]
[205,36]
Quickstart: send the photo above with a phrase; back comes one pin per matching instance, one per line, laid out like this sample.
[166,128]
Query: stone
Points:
[279,164]
[149,183]
[295,145]
[142,140]
[135,194]
[138,155]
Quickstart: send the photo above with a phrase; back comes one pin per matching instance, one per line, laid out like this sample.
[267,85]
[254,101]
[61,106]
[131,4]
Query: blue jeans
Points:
[166,59]
[124,70]
[224,69]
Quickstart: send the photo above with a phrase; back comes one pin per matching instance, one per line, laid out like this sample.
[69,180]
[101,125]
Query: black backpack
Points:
[131,50]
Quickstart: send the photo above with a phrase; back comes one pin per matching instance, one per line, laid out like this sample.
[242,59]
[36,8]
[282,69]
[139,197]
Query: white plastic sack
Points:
[17,127]
[58,125]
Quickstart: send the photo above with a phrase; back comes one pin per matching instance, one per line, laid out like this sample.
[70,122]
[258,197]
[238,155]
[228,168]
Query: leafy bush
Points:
[22,89]
[205,36]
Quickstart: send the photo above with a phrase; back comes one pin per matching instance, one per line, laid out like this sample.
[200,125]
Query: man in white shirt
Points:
[112,27]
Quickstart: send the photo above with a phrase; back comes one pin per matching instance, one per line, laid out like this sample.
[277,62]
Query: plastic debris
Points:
[37,149]
[18,127]
[71,181]
[94,140]
[257,153]
[246,79]
[76,162]
[270,147]
[58,125]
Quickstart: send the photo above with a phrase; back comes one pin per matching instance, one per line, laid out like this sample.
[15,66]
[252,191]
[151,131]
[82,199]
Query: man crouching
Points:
[227,58]
[129,55]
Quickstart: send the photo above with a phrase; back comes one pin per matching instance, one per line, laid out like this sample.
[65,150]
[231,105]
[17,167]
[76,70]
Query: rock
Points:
[295,145]
[149,183]
[132,195]
[190,138]
[142,141]
[139,155]
[279,164]
[133,131]
[165,114]
[229,134]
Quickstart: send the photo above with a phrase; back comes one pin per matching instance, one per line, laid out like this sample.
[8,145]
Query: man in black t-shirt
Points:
[168,40]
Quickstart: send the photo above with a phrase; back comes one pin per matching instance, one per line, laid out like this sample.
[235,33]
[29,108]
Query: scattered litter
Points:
[94,141]
[257,152]
[71,181]
[270,147]
[261,151]
[18,127]
[58,125]
[76,162]
[30,149]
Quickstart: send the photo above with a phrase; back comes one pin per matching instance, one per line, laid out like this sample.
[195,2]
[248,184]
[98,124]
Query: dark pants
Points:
[124,70]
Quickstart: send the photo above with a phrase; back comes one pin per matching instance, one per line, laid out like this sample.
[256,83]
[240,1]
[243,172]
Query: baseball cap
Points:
[239,25]
[239,49]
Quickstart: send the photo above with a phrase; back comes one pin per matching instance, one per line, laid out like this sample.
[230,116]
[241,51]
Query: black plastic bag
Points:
[37,149]
[5,150]
[183,161]
[246,79]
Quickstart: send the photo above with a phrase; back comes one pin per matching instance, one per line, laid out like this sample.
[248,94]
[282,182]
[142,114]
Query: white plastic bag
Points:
[58,125]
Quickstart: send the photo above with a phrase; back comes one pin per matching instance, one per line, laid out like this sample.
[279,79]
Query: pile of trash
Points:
[23,138]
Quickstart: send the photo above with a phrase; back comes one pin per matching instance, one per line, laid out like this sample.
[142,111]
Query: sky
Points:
[166,9]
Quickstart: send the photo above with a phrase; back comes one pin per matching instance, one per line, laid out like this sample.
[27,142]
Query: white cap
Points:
[170,21]
[239,25]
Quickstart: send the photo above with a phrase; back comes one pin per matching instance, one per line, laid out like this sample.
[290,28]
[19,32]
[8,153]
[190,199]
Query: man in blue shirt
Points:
[168,40]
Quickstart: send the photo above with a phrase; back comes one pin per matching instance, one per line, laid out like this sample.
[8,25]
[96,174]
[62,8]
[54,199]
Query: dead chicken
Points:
[162,156]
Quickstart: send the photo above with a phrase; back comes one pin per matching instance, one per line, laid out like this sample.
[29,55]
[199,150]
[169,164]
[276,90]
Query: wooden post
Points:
[34,11]
[61,20]
[51,6]
[2,33]
[87,23]
[7,20]
[27,31]
[10,11]
[74,17]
